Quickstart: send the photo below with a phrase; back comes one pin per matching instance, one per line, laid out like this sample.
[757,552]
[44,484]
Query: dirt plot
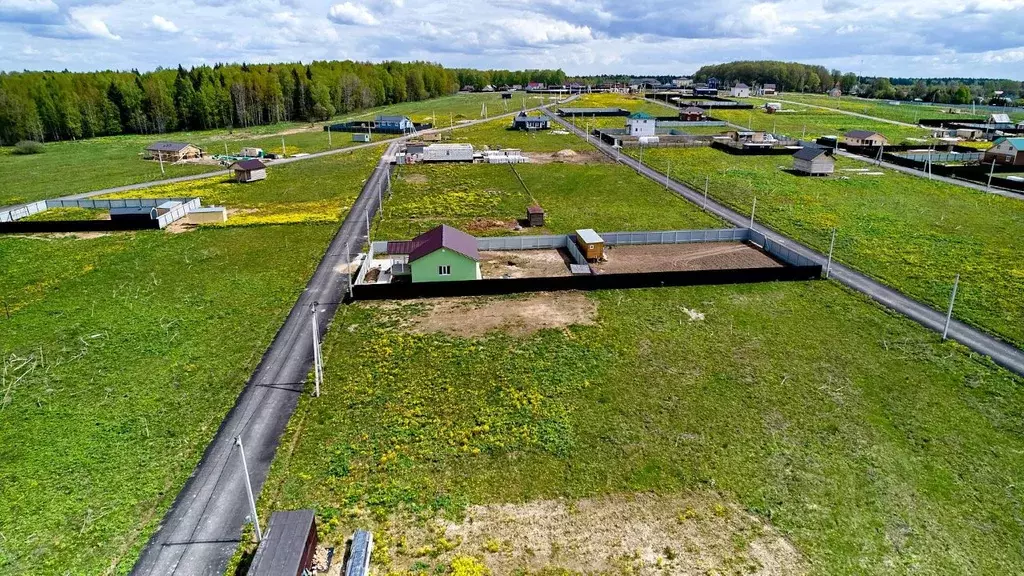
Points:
[674,257]
[623,534]
[524,263]
[519,315]
[568,156]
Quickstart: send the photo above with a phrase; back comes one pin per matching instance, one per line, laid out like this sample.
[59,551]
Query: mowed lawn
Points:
[122,353]
[871,446]
[487,200]
[608,100]
[913,234]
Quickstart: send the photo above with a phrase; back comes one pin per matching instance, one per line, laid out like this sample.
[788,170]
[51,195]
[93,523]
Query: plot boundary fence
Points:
[796,267]
[10,220]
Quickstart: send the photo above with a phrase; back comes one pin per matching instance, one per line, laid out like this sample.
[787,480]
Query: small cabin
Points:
[1006,151]
[590,244]
[442,254]
[289,546]
[814,161]
[524,121]
[134,213]
[535,215]
[864,138]
[250,152]
[249,170]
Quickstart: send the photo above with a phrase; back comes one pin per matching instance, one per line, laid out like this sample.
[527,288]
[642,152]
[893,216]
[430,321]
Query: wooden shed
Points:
[249,170]
[289,546]
[590,244]
[814,161]
[535,215]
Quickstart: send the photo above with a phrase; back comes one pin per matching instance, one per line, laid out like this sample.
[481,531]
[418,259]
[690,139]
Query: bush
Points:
[28,147]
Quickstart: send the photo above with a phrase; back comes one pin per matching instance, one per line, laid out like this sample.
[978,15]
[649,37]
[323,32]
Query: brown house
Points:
[172,151]
[692,114]
[864,138]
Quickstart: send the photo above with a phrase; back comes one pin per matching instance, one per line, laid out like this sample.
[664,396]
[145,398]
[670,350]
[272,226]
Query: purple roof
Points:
[443,236]
[248,165]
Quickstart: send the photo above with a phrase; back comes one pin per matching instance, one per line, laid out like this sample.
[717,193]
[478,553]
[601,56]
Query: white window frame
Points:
[445,270]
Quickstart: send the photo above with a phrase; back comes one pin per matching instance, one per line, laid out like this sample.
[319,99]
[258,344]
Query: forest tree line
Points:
[48,106]
[796,77]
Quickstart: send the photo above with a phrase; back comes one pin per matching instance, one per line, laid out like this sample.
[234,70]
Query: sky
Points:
[920,38]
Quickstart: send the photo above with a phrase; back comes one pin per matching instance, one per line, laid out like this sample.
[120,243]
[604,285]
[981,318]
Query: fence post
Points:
[949,313]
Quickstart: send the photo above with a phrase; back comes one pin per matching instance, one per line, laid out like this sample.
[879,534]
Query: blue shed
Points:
[394,124]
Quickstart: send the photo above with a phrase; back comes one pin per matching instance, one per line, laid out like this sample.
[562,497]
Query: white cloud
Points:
[90,23]
[164,25]
[538,33]
[354,14]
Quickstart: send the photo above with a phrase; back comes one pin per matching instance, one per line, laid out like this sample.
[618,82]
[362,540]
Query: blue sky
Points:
[895,37]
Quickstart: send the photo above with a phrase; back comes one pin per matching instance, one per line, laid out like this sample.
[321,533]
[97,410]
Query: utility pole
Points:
[641,153]
[225,148]
[160,156]
[752,210]
[949,313]
[831,247]
[284,153]
[707,181]
[367,215]
[991,172]
[348,258]
[248,489]
[329,143]
[668,174]
[318,361]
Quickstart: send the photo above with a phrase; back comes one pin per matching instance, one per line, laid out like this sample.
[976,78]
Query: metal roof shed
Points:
[590,243]
[289,545]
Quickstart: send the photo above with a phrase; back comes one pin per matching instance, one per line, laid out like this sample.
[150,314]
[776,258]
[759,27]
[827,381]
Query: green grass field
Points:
[495,134]
[315,190]
[607,100]
[807,122]
[904,112]
[97,163]
[122,353]
[913,234]
[486,200]
[870,446]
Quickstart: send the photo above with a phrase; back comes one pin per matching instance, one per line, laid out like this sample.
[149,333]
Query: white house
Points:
[1006,151]
[740,90]
[640,124]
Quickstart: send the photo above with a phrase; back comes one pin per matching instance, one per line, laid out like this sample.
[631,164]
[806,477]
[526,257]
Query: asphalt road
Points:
[1004,354]
[202,529]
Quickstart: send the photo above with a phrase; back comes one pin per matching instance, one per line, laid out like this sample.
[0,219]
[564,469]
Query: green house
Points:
[443,254]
